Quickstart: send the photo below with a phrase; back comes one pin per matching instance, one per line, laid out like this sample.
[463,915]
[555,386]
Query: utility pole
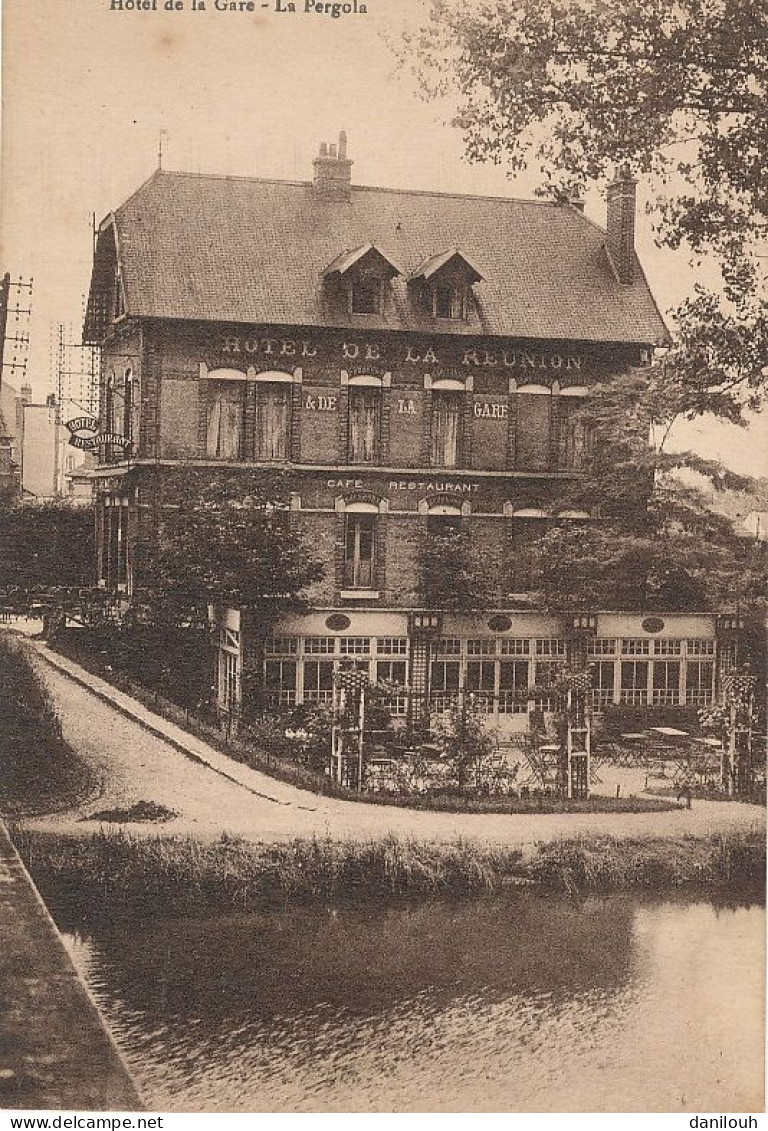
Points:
[19,339]
[5,290]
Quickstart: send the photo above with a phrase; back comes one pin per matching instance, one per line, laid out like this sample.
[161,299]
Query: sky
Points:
[88,91]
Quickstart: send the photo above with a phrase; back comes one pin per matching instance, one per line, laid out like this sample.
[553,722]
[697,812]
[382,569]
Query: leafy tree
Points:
[656,542]
[464,741]
[454,575]
[226,538]
[677,92]
[46,545]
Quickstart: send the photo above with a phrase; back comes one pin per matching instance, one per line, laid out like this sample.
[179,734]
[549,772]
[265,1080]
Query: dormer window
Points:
[366,293]
[449,301]
[443,285]
[361,277]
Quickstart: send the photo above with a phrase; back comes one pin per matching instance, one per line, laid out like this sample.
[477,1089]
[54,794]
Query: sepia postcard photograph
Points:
[383,547]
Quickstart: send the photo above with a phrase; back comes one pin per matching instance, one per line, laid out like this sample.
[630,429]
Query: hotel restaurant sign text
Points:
[355,353]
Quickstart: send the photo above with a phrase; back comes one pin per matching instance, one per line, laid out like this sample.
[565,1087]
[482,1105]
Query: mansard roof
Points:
[251,251]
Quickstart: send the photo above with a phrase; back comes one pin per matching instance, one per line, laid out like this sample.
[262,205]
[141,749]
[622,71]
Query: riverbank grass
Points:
[39,771]
[113,872]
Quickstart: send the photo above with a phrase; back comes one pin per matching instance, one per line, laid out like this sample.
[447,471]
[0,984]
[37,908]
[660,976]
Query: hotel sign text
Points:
[522,360]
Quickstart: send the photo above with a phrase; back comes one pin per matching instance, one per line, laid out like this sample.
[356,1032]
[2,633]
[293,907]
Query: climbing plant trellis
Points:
[350,688]
[739,688]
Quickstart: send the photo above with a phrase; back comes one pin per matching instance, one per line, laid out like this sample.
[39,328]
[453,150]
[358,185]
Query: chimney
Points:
[622,200]
[26,394]
[333,171]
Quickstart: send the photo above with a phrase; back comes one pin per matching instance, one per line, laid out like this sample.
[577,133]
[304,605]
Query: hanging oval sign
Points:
[337,622]
[653,624]
[83,432]
[500,623]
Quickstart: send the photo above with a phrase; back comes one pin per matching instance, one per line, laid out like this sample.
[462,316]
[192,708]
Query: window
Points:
[114,543]
[228,679]
[392,645]
[667,647]
[573,433]
[445,675]
[119,301]
[394,671]
[482,646]
[532,436]
[443,525]
[281,646]
[513,679]
[359,539]
[391,671]
[666,683]
[526,561]
[355,645]
[109,403]
[634,682]
[480,675]
[280,682]
[318,681]
[603,673]
[364,437]
[449,301]
[446,424]
[225,419]
[546,673]
[320,645]
[127,421]
[514,646]
[550,647]
[366,293]
[636,647]
[701,647]
[698,677]
[449,646]
[273,421]
[601,646]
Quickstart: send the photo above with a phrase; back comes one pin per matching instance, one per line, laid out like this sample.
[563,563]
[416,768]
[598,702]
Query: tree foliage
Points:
[226,538]
[655,541]
[46,545]
[677,92]
[454,574]
[464,741]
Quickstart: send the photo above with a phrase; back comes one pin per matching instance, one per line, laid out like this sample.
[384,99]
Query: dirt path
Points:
[134,764]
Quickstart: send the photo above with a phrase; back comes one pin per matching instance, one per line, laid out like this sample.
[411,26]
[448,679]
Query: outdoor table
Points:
[671,732]
[634,736]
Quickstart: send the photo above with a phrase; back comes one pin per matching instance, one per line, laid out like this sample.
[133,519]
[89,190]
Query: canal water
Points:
[522,1004]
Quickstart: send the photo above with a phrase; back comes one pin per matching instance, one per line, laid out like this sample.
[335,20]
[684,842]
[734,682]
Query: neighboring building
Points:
[415,360]
[11,430]
[39,456]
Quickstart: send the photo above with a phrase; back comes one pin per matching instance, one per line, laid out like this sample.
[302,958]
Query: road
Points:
[133,764]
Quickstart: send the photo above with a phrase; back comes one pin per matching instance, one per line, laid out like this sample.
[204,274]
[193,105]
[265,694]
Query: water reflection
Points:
[524,1004]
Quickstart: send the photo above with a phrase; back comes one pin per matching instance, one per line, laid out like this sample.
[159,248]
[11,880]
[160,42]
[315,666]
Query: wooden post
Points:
[361,740]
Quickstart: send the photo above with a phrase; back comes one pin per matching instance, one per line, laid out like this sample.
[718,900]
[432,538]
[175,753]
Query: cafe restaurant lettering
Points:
[378,347]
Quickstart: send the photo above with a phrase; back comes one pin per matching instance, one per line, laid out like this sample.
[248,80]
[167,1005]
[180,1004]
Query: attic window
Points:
[449,300]
[363,274]
[366,292]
